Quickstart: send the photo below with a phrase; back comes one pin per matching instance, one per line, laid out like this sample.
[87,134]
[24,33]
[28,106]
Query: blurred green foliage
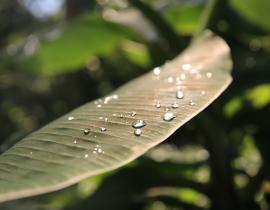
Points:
[220,160]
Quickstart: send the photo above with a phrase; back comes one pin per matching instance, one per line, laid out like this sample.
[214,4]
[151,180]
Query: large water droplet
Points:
[86,131]
[138,132]
[156,71]
[138,124]
[180,94]
[168,116]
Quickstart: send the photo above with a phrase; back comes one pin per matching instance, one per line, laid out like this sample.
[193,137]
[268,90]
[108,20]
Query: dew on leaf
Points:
[103,129]
[186,66]
[209,75]
[168,116]
[138,124]
[86,131]
[158,105]
[156,71]
[70,118]
[175,105]
[191,103]
[180,94]
[138,132]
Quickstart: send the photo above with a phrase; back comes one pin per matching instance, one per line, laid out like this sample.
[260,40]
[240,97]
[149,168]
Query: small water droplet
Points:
[167,109]
[100,118]
[115,97]
[175,105]
[133,114]
[168,116]
[191,103]
[70,118]
[182,76]
[158,105]
[170,79]
[31,153]
[86,131]
[103,129]
[156,71]
[99,106]
[138,132]
[75,142]
[180,94]
[86,156]
[186,66]
[106,119]
[121,115]
[114,115]
[138,124]
[203,92]
[209,75]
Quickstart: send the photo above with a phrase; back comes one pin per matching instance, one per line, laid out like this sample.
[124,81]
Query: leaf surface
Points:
[63,152]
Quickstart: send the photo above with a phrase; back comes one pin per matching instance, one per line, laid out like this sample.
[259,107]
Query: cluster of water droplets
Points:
[179,101]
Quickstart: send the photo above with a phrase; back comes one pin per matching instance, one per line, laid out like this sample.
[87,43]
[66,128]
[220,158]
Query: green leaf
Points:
[256,11]
[61,154]
[82,40]
[184,18]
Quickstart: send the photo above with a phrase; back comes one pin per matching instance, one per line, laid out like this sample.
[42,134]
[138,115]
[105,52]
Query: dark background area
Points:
[56,55]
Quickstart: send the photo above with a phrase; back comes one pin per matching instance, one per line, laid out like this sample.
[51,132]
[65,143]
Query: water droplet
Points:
[86,156]
[156,71]
[175,105]
[75,142]
[186,66]
[133,114]
[168,116]
[180,94]
[70,118]
[121,115]
[100,118]
[209,75]
[31,153]
[106,119]
[86,131]
[203,92]
[170,79]
[158,105]
[103,129]
[138,124]
[114,115]
[182,76]
[167,109]
[115,96]
[191,103]
[138,132]
[99,106]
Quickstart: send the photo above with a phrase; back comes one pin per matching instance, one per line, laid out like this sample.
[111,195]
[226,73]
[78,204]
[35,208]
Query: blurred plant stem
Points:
[173,39]
[222,191]
[213,12]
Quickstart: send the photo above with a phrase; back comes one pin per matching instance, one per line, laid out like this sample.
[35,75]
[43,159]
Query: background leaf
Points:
[82,40]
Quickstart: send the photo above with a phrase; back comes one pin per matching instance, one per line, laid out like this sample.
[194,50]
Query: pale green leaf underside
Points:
[48,159]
